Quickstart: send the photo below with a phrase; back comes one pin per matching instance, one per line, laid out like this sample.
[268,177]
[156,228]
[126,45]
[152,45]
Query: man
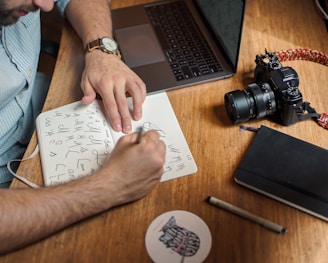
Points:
[25,213]
[104,73]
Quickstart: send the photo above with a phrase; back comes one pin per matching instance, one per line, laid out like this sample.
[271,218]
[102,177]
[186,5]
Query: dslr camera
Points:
[275,93]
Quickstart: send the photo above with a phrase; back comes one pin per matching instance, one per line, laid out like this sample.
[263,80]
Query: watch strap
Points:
[96,44]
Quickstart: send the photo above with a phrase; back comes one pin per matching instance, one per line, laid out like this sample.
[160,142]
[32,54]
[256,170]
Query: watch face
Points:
[109,44]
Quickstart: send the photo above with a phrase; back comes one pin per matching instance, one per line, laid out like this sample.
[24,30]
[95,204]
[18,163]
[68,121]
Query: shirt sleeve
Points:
[61,4]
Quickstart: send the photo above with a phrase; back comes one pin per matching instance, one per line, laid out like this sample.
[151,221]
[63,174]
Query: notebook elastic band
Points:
[21,178]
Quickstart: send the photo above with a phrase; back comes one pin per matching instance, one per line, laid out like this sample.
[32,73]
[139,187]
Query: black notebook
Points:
[290,170]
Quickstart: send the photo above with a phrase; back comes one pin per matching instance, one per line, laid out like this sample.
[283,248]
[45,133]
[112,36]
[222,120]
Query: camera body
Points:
[275,93]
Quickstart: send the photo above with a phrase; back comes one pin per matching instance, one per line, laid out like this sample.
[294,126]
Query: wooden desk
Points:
[119,235]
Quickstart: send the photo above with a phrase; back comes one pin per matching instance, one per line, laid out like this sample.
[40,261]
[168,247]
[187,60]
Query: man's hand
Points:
[130,173]
[108,76]
[133,169]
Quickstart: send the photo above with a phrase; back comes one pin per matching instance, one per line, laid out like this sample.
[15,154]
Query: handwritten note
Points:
[76,139]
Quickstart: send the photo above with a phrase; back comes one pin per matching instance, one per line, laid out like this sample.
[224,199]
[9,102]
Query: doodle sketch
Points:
[76,139]
[180,240]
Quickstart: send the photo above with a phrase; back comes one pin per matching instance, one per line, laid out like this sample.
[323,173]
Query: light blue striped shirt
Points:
[19,56]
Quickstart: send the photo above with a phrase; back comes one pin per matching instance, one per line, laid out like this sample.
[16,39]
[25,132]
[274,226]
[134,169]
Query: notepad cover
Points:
[285,168]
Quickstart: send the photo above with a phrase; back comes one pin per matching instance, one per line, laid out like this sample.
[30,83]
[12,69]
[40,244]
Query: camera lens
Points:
[252,103]
[239,106]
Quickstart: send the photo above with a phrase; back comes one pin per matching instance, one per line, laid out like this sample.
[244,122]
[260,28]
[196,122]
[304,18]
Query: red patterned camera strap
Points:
[323,120]
[303,54]
[310,55]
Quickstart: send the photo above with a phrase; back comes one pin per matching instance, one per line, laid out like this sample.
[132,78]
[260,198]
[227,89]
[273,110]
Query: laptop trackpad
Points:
[139,45]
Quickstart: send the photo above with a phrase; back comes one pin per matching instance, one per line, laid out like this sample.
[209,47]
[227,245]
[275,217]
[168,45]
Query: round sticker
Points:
[178,236]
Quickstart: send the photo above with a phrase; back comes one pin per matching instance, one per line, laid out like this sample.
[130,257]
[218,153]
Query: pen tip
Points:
[284,231]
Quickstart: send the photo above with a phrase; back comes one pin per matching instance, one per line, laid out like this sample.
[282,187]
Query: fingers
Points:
[153,136]
[138,96]
[137,89]
[150,136]
[112,84]
[116,109]
[135,169]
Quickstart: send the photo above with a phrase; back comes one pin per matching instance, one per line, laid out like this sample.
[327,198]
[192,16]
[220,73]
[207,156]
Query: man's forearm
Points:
[90,19]
[132,171]
[29,215]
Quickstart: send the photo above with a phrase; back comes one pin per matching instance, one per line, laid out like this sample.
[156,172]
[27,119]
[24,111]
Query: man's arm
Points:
[105,73]
[28,215]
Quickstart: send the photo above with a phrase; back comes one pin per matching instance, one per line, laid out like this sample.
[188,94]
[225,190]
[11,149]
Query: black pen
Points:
[240,212]
[139,135]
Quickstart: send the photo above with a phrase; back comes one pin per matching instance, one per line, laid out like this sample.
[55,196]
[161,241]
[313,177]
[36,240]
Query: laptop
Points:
[174,44]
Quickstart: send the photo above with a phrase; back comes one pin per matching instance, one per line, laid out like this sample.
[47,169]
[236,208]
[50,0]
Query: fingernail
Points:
[128,128]
[138,115]
[118,127]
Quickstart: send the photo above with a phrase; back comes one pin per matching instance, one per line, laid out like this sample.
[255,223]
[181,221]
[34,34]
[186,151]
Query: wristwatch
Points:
[105,44]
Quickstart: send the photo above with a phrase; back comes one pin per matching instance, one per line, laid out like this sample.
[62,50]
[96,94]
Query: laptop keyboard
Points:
[184,45]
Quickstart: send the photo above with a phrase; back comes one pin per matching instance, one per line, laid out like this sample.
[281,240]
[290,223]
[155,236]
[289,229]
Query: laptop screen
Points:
[225,19]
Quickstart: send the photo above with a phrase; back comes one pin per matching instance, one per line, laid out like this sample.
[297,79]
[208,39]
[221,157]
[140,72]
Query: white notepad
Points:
[76,139]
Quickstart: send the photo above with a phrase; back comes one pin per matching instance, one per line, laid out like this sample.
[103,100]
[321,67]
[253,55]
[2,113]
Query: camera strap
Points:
[311,112]
[309,55]
[323,120]
[303,54]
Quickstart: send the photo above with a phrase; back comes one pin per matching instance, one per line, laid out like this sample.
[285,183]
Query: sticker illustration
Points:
[178,236]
